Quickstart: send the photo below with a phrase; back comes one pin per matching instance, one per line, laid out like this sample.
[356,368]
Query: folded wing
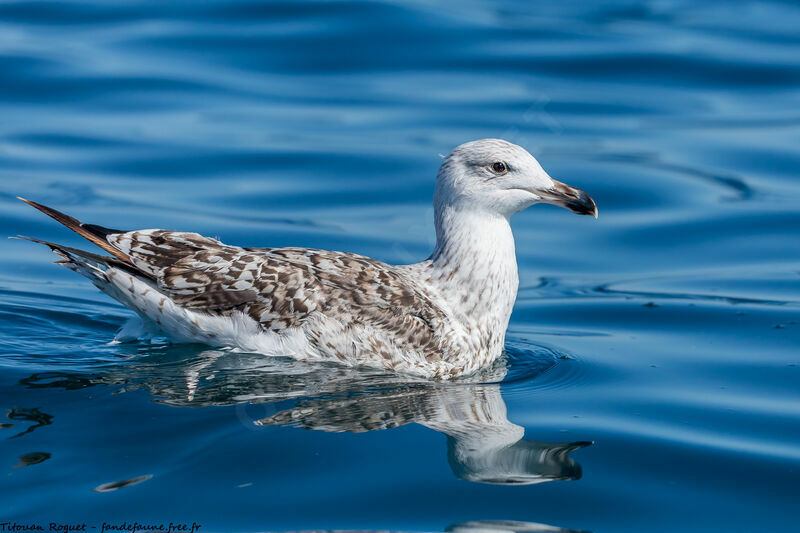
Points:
[279,288]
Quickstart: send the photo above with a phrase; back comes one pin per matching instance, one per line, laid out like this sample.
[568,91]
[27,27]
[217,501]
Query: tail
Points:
[115,275]
[95,234]
[102,271]
[93,266]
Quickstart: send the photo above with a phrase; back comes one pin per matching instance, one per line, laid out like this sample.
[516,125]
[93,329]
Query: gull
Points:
[440,318]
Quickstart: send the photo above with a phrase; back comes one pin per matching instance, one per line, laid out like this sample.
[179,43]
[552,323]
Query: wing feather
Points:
[282,287]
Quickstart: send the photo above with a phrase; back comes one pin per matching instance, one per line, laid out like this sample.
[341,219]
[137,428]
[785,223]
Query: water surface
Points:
[652,381]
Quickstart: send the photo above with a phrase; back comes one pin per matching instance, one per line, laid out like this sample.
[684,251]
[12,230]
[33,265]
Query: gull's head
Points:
[497,177]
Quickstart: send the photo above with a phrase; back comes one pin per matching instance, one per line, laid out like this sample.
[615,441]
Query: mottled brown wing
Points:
[281,287]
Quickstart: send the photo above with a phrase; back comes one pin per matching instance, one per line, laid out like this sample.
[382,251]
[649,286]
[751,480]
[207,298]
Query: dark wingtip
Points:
[58,215]
[26,238]
[53,246]
[91,232]
[37,205]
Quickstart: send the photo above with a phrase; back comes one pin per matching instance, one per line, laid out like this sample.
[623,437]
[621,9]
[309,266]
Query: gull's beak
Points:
[573,199]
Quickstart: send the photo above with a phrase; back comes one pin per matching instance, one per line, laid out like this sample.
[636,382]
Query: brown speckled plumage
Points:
[282,288]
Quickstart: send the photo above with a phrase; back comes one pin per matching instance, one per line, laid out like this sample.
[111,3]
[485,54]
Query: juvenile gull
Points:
[440,318]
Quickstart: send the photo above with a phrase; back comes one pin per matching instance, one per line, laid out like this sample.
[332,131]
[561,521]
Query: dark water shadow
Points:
[32,458]
[29,414]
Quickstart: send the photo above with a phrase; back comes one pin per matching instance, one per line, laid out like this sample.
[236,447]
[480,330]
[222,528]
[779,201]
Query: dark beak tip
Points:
[582,205]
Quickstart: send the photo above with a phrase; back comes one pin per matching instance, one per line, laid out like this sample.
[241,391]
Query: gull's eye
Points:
[498,167]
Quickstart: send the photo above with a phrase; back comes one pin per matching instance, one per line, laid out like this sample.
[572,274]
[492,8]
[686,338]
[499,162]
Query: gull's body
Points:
[440,318]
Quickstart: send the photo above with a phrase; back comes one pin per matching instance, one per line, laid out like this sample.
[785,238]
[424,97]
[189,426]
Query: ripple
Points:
[770,284]
[29,414]
[737,187]
[684,296]
[538,367]
[116,485]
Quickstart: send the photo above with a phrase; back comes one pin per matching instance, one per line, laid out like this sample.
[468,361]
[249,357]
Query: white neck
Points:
[475,268]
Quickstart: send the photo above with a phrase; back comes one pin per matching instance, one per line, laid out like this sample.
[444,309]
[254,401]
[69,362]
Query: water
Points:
[653,360]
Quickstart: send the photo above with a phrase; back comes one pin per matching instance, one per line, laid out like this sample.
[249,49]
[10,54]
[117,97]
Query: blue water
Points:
[653,355]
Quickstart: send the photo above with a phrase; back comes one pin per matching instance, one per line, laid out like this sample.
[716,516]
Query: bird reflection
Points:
[482,444]
[505,526]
